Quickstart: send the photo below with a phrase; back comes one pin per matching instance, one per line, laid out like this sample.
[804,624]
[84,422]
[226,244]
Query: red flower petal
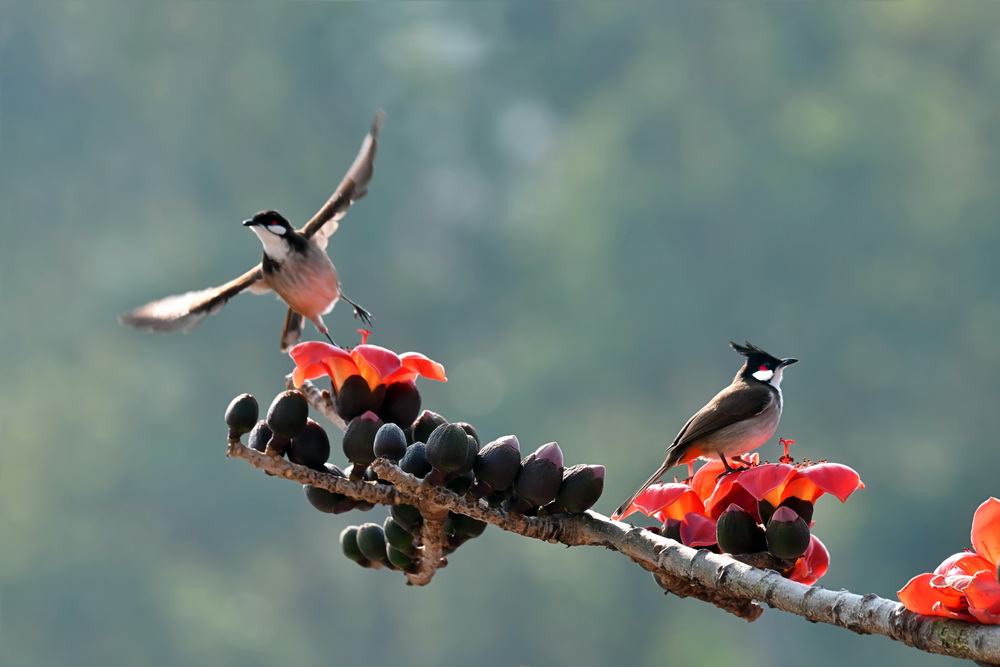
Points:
[671,501]
[717,504]
[762,480]
[414,364]
[423,366]
[813,564]
[704,481]
[986,531]
[721,491]
[983,594]
[375,363]
[697,530]
[959,613]
[313,360]
[964,562]
[918,595]
[930,594]
[833,478]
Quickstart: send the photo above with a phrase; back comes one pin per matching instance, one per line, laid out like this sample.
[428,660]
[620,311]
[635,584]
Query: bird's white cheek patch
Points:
[764,375]
[276,229]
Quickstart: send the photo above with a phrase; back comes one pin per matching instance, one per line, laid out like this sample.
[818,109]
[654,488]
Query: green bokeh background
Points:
[576,206]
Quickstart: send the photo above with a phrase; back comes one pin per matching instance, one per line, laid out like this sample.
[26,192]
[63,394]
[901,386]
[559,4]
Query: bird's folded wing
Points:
[185,311]
[353,186]
[732,408]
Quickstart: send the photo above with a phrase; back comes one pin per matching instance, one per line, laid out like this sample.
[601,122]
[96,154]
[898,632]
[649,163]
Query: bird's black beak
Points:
[249,222]
[787,362]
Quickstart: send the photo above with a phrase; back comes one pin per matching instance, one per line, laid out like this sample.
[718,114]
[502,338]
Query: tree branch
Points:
[719,579]
[729,584]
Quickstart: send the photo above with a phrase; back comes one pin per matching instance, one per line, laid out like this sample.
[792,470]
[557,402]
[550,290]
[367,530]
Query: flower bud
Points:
[371,543]
[311,447]
[320,498]
[552,452]
[738,533]
[399,560]
[407,516]
[259,436]
[390,442]
[471,430]
[671,528]
[764,510]
[241,415]
[787,534]
[448,448]
[415,460]
[463,526]
[398,537]
[461,484]
[425,424]
[401,404]
[803,508]
[355,398]
[288,413]
[581,487]
[498,463]
[349,545]
[359,442]
[538,481]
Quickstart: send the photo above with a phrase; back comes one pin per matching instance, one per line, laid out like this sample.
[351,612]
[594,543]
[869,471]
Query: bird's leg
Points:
[359,312]
[318,321]
[729,469]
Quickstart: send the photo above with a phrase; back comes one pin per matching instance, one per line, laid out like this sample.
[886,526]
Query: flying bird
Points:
[295,265]
[739,419]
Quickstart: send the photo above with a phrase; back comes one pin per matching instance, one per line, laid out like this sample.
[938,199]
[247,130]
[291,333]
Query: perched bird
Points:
[295,265]
[740,418]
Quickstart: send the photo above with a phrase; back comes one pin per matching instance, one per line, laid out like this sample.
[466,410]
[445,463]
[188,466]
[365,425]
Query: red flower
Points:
[965,585]
[375,364]
[677,503]
[776,482]
[667,501]
[694,507]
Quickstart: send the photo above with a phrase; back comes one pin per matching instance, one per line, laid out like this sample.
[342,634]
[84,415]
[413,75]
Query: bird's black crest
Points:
[270,217]
[748,349]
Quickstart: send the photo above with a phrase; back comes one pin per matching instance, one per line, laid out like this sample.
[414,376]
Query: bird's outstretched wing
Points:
[185,311]
[353,186]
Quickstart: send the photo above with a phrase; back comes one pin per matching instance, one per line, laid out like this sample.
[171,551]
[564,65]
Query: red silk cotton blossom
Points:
[965,585]
[375,364]
[690,510]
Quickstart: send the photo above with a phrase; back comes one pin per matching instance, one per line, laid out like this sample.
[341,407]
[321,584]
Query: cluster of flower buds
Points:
[288,431]
[763,508]
[374,392]
[784,534]
[450,454]
[430,449]
[395,543]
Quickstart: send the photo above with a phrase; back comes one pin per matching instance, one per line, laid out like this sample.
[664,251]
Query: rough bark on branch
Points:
[719,579]
[736,587]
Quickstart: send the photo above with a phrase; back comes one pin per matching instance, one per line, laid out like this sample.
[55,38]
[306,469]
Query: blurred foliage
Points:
[576,205]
